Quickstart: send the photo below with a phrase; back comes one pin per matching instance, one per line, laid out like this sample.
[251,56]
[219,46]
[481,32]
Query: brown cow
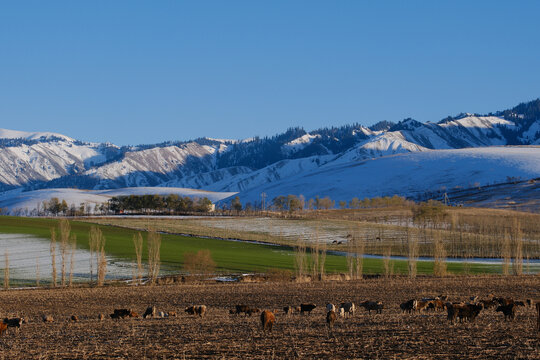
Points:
[3,327]
[422,305]
[331,319]
[469,312]
[101,317]
[267,320]
[489,303]
[74,318]
[438,305]
[247,310]
[509,311]
[47,318]
[465,312]
[196,310]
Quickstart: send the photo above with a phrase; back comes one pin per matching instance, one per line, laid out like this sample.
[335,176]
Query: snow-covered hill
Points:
[408,175]
[40,160]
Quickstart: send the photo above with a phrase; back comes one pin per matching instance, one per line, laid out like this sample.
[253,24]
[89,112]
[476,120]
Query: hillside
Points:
[41,160]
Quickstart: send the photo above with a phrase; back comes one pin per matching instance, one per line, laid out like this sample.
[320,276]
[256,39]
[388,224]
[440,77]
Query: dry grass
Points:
[465,232]
[392,335]
[199,264]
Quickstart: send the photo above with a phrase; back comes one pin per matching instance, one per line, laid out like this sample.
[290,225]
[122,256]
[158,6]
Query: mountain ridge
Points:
[40,160]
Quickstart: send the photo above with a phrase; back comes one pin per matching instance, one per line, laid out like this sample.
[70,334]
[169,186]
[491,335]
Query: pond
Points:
[30,257]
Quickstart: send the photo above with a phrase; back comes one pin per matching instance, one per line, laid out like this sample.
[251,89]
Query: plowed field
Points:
[389,335]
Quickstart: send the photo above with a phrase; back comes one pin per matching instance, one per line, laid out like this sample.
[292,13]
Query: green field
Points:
[230,256]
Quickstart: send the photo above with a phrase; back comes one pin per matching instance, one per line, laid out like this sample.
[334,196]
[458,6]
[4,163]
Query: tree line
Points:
[134,204]
[294,203]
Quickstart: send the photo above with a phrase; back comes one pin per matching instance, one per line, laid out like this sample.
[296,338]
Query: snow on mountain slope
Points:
[212,180]
[16,134]
[299,143]
[19,202]
[532,134]
[478,130]
[385,144]
[408,174]
[45,161]
[275,172]
[155,165]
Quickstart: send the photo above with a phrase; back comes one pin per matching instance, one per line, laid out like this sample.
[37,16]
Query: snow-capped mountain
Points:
[38,160]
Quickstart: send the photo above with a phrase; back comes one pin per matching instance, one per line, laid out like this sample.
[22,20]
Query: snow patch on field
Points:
[28,201]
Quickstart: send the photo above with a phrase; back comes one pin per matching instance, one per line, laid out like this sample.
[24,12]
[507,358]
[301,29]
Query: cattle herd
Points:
[456,311]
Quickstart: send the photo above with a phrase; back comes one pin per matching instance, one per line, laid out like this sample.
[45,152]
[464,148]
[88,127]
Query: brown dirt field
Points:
[223,336]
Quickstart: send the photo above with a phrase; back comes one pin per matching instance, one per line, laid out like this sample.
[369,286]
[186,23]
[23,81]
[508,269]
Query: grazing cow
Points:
[331,319]
[509,311]
[163,314]
[409,305]
[74,318]
[123,313]
[172,313]
[307,308]
[246,310]
[101,317]
[47,318]
[267,320]
[196,310]
[150,312]
[377,306]
[15,323]
[348,308]
[3,327]
[330,307]
[469,312]
[489,303]
[438,305]
[465,312]
[504,301]
[288,310]
[422,305]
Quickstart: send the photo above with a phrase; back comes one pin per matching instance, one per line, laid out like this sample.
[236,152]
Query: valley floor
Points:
[391,334]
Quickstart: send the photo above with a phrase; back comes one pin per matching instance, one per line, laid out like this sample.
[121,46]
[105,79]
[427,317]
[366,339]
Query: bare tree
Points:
[53,256]
[72,258]
[138,243]
[6,270]
[154,244]
[65,230]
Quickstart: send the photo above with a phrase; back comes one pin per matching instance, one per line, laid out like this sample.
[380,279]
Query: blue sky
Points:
[133,72]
